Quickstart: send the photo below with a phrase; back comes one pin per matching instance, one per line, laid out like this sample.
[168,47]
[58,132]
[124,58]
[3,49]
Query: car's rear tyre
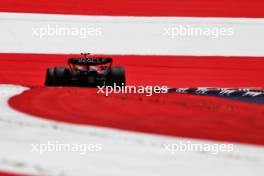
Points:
[116,76]
[49,77]
[61,76]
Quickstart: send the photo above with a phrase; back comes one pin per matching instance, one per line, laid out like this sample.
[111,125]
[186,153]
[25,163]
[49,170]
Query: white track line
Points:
[123,154]
[130,35]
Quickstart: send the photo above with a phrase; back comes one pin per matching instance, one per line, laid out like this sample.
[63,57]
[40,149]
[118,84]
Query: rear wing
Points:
[90,61]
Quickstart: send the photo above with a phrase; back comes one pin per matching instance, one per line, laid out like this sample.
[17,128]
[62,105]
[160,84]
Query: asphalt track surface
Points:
[169,114]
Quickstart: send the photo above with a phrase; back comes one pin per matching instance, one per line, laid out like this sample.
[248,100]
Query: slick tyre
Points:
[61,76]
[49,77]
[116,76]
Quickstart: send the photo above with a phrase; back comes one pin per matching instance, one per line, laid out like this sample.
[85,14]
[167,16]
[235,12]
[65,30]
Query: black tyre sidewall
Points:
[49,77]
[116,76]
[60,76]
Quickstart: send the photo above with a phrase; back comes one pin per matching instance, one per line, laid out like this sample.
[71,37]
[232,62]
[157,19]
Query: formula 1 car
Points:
[87,72]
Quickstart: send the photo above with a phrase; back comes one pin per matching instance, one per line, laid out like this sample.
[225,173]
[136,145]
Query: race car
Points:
[86,72]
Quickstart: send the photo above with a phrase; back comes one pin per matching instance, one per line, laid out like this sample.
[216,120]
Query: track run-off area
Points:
[132,127]
[169,114]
